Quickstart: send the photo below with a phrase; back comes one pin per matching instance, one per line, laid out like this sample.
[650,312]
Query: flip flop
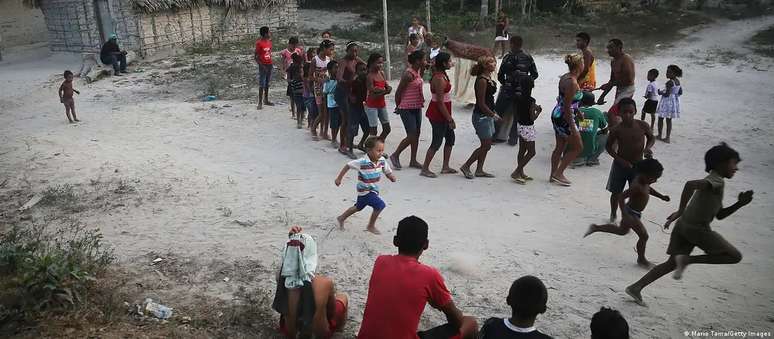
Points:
[526,177]
[466,173]
[484,175]
[560,182]
[428,174]
[520,181]
[449,171]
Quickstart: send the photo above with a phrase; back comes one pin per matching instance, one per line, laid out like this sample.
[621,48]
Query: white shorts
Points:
[527,133]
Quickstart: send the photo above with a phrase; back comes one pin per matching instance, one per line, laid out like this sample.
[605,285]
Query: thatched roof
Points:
[152,6]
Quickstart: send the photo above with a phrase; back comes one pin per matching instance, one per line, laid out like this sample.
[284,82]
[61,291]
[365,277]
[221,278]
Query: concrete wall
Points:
[20,25]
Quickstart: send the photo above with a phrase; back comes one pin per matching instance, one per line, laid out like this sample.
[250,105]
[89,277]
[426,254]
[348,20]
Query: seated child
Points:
[527,298]
[609,324]
[593,129]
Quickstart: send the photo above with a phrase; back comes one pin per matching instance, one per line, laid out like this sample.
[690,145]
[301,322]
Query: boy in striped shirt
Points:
[369,171]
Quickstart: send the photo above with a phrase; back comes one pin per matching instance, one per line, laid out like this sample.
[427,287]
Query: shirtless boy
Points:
[66,96]
[627,144]
[648,171]
[621,77]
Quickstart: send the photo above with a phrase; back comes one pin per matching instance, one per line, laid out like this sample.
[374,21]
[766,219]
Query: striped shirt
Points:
[413,98]
[369,173]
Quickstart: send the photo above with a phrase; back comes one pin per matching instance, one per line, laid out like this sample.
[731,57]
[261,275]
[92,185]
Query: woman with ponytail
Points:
[563,117]
[483,116]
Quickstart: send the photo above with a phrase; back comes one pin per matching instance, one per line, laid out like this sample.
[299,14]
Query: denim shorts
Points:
[377,115]
[484,125]
[371,199]
[264,75]
[412,120]
[311,108]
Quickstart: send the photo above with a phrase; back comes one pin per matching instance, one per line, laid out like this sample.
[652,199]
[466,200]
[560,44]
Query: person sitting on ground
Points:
[609,324]
[307,301]
[593,130]
[401,286]
[527,298]
[111,54]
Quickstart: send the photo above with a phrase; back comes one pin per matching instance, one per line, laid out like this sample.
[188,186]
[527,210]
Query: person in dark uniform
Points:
[517,76]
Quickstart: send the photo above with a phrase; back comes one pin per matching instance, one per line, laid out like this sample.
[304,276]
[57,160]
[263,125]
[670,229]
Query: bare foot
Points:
[644,263]
[635,294]
[76,120]
[267,103]
[341,222]
[592,228]
[326,137]
[415,164]
[666,140]
[448,170]
[259,107]
[681,261]
[71,121]
[613,218]
[373,230]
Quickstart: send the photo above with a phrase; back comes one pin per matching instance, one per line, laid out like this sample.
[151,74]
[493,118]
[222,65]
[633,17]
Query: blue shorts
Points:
[311,108]
[371,199]
[264,75]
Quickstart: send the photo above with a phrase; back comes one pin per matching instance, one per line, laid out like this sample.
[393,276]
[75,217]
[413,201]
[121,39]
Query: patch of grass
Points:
[763,42]
[51,268]
[63,197]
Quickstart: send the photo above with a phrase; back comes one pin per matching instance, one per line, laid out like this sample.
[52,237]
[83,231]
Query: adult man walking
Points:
[621,77]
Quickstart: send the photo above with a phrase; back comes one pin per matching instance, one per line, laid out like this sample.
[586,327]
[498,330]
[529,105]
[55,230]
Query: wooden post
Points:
[386,41]
[427,9]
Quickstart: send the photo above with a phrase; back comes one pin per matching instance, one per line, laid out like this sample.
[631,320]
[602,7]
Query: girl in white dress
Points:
[669,106]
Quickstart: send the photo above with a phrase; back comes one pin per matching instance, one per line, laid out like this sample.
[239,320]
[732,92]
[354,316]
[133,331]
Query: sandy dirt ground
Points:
[199,166]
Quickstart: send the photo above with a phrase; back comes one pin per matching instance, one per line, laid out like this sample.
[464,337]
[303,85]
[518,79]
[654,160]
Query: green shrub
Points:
[51,269]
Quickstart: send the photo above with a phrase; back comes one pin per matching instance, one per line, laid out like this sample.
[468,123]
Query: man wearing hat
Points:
[112,55]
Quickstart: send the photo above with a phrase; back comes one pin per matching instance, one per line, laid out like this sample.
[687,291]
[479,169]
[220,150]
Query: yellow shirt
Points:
[589,82]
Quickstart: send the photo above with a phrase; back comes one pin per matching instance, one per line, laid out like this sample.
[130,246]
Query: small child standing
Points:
[329,91]
[608,324]
[700,203]
[527,298]
[669,106]
[651,97]
[648,171]
[591,127]
[296,87]
[66,96]
[369,170]
[287,60]
[309,100]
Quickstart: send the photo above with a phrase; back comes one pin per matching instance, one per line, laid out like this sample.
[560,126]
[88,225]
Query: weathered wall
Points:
[72,25]
[20,25]
[170,30]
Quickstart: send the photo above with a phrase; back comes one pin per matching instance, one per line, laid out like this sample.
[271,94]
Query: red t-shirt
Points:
[398,291]
[263,50]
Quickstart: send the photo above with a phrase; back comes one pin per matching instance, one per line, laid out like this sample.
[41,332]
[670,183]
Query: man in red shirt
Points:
[265,66]
[401,286]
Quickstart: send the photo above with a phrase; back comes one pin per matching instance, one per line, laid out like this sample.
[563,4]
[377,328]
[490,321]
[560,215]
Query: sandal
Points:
[561,182]
[449,171]
[520,180]
[466,173]
[484,175]
[428,174]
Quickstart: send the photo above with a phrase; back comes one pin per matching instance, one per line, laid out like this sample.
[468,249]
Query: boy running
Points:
[66,96]
[648,171]
[369,170]
[700,203]
[628,142]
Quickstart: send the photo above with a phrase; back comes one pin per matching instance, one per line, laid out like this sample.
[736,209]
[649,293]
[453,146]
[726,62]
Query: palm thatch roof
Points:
[152,6]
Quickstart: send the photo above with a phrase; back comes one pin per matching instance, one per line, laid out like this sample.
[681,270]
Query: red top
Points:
[398,291]
[377,101]
[287,56]
[433,112]
[413,98]
[263,50]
